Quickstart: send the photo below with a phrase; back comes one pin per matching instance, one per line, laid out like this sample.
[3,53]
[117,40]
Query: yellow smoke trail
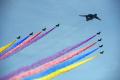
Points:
[7,46]
[66,69]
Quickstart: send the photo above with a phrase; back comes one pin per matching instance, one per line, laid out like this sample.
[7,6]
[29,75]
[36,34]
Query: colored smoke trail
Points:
[43,61]
[37,38]
[51,64]
[66,69]
[22,46]
[2,49]
[14,50]
[16,44]
[60,53]
[59,66]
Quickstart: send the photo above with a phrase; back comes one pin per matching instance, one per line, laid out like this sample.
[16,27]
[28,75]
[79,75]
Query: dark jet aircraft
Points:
[57,25]
[98,33]
[44,29]
[18,37]
[100,39]
[101,46]
[91,17]
[102,52]
[31,33]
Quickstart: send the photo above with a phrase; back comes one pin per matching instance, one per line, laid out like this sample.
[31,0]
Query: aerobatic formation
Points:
[57,64]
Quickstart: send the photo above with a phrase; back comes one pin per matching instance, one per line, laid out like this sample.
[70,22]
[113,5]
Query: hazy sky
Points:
[20,17]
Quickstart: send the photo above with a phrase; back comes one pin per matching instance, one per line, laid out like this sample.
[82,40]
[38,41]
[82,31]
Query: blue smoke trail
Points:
[59,66]
[15,45]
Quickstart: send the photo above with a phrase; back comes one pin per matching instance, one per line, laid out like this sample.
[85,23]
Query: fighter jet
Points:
[101,46]
[57,25]
[44,29]
[102,52]
[100,39]
[91,17]
[18,37]
[98,33]
[31,33]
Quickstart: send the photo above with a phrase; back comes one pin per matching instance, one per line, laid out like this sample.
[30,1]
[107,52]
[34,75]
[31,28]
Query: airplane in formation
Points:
[18,37]
[31,33]
[100,39]
[44,29]
[101,52]
[57,25]
[101,46]
[98,33]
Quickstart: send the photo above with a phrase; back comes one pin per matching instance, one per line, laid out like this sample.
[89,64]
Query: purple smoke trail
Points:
[19,49]
[58,54]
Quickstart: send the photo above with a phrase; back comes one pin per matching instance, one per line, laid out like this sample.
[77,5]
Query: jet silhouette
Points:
[57,25]
[101,46]
[100,39]
[44,29]
[102,52]
[98,33]
[31,33]
[91,17]
[18,37]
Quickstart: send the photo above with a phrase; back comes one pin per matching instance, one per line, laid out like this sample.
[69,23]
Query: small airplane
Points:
[101,46]
[18,37]
[98,33]
[91,17]
[31,33]
[44,29]
[57,25]
[102,52]
[100,39]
